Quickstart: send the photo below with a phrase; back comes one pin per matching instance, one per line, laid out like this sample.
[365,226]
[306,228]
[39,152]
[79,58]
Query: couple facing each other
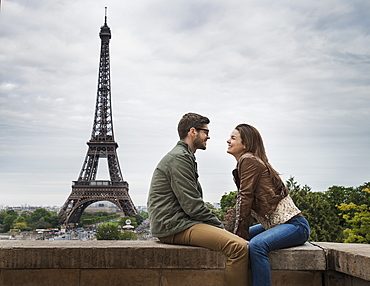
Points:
[178,215]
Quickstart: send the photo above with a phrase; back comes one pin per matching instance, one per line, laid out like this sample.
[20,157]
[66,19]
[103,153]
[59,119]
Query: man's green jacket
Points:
[175,200]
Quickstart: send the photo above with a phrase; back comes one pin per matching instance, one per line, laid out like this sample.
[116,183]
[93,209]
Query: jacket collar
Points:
[186,146]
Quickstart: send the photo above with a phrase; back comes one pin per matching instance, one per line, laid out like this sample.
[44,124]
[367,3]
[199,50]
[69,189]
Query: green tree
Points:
[42,218]
[321,215]
[228,200]
[212,208]
[41,223]
[108,231]
[358,219]
[8,222]
[8,218]
[21,223]
[87,221]
[337,195]
[21,226]
[139,219]
[53,219]
[143,214]
[128,235]
[346,202]
[89,218]
[27,217]
[227,213]
[38,214]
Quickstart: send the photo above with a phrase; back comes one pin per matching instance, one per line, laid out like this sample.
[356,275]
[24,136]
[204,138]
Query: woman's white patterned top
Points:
[285,210]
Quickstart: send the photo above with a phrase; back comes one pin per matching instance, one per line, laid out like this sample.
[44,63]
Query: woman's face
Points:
[235,145]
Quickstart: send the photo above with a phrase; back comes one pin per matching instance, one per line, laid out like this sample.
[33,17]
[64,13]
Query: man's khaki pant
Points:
[233,246]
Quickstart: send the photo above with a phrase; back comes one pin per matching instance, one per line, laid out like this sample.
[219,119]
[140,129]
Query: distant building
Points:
[142,208]
[28,208]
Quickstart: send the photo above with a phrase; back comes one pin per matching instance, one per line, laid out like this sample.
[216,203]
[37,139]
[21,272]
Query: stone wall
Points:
[151,263]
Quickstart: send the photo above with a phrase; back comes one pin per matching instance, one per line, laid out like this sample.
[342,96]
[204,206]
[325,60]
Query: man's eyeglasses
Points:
[206,131]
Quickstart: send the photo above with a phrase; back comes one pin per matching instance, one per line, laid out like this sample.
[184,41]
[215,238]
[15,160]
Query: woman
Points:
[263,195]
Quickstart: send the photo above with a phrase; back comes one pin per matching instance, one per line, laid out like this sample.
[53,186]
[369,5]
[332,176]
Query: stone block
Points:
[36,255]
[304,257]
[334,278]
[348,258]
[193,277]
[39,277]
[294,278]
[119,277]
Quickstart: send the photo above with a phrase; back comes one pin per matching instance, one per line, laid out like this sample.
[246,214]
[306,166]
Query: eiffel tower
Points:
[87,190]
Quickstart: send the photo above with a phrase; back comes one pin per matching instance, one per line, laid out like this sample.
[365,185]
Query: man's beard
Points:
[199,143]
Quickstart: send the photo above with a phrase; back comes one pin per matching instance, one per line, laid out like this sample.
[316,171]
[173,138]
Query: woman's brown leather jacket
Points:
[256,191]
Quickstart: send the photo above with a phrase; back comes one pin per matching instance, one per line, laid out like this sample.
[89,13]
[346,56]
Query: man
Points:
[176,208]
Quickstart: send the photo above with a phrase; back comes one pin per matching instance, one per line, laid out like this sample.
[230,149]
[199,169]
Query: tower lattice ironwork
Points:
[87,190]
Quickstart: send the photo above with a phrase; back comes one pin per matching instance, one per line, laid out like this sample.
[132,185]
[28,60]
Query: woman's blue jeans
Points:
[292,233]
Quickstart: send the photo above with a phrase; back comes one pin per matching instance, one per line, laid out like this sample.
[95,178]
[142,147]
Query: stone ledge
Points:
[105,255]
[152,263]
[139,254]
[349,258]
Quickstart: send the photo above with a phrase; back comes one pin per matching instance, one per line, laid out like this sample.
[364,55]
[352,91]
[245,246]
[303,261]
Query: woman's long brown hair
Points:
[253,143]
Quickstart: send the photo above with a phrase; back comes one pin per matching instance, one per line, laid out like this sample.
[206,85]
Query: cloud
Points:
[298,71]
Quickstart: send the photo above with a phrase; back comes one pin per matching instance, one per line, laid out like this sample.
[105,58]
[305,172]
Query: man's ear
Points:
[192,132]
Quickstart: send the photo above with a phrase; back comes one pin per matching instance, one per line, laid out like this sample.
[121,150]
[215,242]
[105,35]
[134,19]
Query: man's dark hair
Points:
[190,120]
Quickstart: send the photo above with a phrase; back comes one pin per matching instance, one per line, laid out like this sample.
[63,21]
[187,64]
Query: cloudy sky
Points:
[299,71]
